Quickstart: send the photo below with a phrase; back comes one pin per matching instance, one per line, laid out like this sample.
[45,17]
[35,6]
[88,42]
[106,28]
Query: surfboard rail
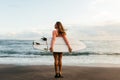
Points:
[60,46]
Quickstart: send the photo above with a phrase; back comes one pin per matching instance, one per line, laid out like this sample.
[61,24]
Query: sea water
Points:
[21,52]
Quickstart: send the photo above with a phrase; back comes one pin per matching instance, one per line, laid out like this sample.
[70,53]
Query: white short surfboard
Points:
[60,46]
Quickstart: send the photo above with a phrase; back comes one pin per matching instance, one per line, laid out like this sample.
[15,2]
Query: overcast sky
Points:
[85,19]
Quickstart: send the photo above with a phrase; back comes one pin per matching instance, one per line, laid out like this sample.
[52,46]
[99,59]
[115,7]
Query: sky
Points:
[83,19]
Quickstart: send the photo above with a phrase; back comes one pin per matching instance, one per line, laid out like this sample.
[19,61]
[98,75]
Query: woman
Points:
[58,32]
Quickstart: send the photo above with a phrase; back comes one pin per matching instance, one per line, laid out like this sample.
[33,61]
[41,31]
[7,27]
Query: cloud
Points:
[103,16]
[104,2]
[103,10]
[108,31]
[27,34]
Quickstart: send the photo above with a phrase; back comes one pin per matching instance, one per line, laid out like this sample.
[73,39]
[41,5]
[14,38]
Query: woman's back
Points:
[57,33]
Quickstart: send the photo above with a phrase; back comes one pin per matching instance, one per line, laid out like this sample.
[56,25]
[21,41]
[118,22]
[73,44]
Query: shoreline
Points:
[102,65]
[46,72]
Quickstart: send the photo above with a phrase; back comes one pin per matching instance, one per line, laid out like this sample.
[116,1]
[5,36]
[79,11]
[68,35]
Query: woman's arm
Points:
[67,43]
[53,40]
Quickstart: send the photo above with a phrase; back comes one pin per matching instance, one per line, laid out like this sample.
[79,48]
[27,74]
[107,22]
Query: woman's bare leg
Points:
[60,63]
[56,62]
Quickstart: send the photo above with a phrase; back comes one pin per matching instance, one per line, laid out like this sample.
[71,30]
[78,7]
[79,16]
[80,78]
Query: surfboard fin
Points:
[37,43]
[44,39]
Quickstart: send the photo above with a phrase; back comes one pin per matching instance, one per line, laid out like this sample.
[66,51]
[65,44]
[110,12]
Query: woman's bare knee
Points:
[56,63]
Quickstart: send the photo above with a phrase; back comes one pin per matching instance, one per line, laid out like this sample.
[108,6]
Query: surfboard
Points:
[43,44]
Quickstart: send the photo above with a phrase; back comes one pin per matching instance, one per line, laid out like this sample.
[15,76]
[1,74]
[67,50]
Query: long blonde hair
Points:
[61,30]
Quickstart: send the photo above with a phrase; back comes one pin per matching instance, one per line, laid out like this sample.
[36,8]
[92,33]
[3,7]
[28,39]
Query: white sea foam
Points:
[92,60]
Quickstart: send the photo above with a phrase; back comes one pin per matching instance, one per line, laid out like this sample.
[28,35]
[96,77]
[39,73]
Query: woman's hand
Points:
[51,49]
[70,49]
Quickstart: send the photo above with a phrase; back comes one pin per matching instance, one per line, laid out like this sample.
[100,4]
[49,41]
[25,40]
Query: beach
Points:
[99,61]
[41,72]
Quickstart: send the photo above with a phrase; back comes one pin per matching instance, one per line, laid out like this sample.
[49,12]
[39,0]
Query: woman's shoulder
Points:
[54,31]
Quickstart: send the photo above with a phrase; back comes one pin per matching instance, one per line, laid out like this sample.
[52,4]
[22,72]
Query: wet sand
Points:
[37,72]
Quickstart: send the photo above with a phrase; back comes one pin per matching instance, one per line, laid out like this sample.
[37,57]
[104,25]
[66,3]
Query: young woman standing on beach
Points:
[58,32]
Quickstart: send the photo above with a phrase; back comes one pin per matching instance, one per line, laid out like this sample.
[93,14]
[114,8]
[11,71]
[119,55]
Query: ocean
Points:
[21,52]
